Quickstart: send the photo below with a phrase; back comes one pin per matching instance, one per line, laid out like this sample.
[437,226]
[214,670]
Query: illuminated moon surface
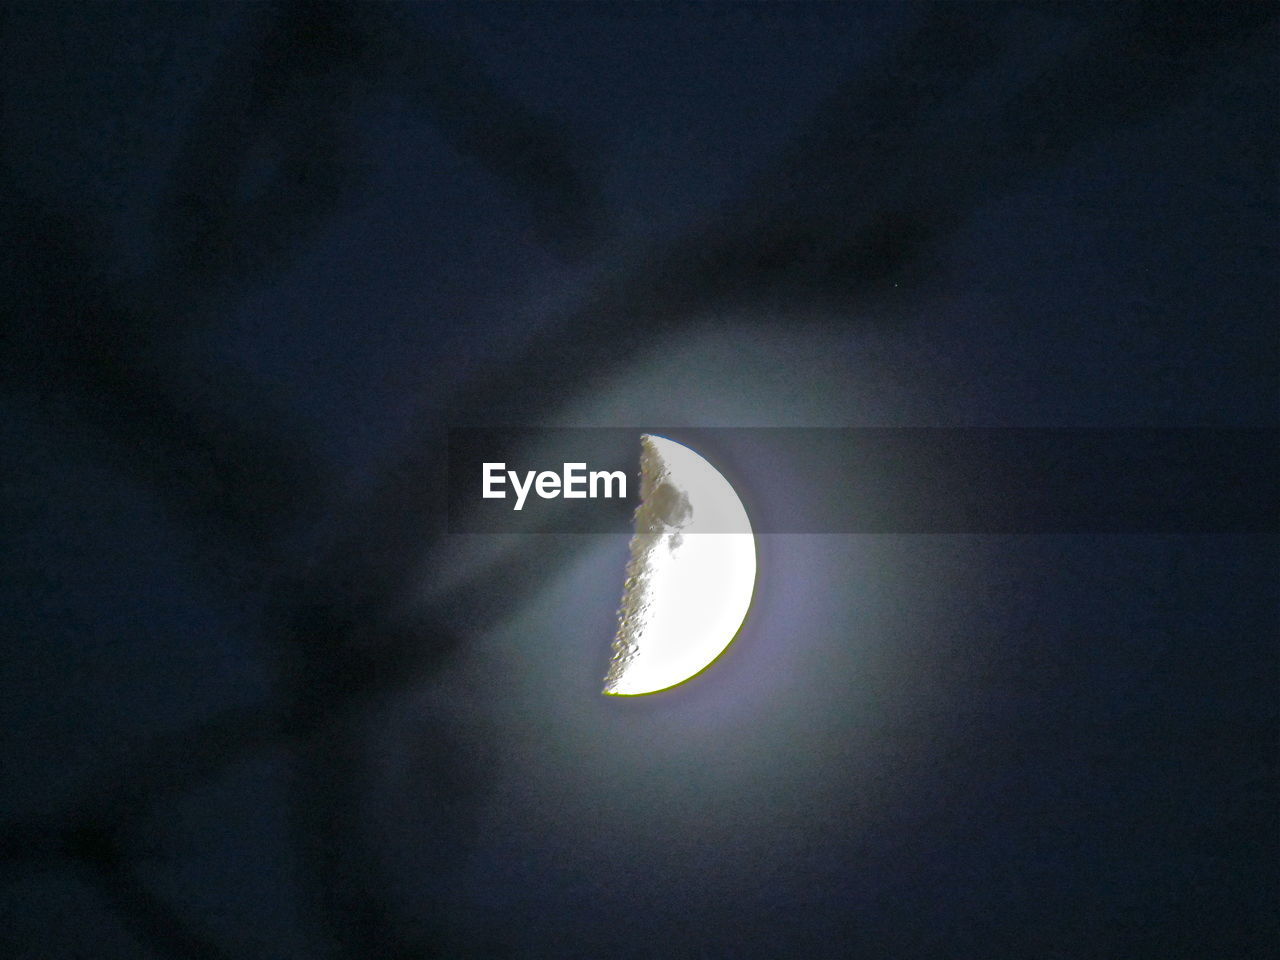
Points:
[691,574]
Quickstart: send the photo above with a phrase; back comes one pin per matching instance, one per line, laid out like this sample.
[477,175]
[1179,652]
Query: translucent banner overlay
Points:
[899,480]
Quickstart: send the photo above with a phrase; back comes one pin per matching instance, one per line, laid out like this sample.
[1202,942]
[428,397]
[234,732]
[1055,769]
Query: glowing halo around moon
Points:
[691,574]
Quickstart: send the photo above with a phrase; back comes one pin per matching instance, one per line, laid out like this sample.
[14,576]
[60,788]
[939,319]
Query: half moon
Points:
[691,574]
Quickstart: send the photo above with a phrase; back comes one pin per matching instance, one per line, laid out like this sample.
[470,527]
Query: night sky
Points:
[258,703]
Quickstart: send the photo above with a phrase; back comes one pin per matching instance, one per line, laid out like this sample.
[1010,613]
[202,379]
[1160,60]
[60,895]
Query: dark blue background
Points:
[254,702]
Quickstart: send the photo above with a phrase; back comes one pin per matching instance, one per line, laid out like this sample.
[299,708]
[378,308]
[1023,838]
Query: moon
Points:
[691,575]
